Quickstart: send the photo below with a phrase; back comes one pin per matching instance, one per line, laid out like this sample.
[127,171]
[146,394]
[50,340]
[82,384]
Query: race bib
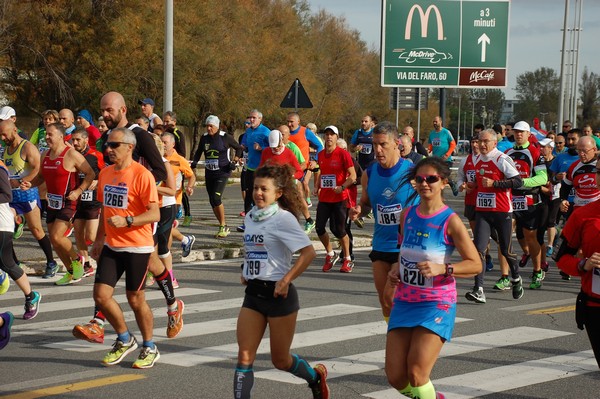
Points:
[388,215]
[55,201]
[366,149]
[115,196]
[87,195]
[212,164]
[327,181]
[410,275]
[255,264]
[471,174]
[519,203]
[436,143]
[596,282]
[486,200]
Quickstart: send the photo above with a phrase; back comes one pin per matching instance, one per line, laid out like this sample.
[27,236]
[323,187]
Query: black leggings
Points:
[215,188]
[485,223]
[249,188]
[7,259]
[185,201]
[335,212]
[592,327]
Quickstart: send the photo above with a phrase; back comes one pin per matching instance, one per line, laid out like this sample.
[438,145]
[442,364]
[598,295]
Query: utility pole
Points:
[168,54]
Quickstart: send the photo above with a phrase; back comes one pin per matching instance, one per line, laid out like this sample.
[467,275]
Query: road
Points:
[528,348]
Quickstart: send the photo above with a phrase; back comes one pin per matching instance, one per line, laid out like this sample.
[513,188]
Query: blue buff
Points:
[300,368]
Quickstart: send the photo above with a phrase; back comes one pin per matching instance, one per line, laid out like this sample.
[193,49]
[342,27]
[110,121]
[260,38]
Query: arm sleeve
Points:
[148,150]
[513,182]
[231,143]
[452,145]
[540,179]
[565,190]
[313,139]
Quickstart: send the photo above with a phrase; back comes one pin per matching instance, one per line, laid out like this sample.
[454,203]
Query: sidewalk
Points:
[204,227]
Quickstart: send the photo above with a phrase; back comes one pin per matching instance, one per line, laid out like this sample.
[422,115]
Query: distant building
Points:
[508,110]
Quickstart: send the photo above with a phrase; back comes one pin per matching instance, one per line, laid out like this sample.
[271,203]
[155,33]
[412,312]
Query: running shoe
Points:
[319,388]
[330,261]
[187,248]
[439,395]
[5,329]
[453,187]
[88,270]
[223,232]
[309,227]
[564,275]
[476,295]
[360,223]
[4,282]
[489,265]
[19,228]
[308,202]
[32,307]
[119,351]
[187,221]
[66,279]
[524,260]
[69,232]
[175,282]
[502,284]
[148,356]
[545,266]
[149,279]
[517,288]
[175,322]
[549,251]
[370,214]
[51,269]
[243,214]
[179,212]
[347,266]
[536,280]
[241,228]
[77,268]
[90,332]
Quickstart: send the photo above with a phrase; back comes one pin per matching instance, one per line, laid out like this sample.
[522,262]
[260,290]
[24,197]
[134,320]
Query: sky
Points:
[535,32]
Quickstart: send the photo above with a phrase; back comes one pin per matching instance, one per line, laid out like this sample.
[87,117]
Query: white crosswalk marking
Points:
[365,362]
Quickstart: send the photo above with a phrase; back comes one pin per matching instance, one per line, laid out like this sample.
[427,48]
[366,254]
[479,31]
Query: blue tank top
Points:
[388,199]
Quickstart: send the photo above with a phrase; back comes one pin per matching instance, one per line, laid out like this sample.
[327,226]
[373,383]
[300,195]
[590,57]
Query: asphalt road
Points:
[528,348]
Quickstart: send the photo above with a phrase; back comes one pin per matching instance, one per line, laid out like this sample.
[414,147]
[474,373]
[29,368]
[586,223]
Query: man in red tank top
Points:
[60,167]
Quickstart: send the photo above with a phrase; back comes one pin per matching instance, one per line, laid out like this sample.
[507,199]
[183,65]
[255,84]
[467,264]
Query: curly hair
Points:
[283,179]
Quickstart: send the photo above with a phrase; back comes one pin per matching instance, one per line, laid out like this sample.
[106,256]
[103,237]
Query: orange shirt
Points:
[179,165]
[127,192]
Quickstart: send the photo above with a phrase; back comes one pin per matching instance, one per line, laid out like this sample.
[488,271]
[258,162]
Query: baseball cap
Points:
[6,112]
[333,129]
[274,138]
[146,101]
[522,126]
[213,120]
[545,142]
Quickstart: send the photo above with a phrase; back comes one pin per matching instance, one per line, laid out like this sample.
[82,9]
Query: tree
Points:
[589,89]
[537,92]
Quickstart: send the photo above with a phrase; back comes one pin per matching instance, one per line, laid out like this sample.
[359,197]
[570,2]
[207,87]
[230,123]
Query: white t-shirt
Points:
[270,244]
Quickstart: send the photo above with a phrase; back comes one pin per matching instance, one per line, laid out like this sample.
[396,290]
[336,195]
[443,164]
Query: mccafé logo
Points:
[476,76]
[424,19]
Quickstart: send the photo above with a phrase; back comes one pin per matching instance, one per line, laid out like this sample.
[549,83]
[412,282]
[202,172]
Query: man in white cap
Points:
[148,111]
[215,144]
[7,113]
[336,174]
[532,169]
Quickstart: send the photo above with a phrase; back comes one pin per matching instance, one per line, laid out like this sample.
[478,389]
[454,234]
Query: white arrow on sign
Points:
[483,40]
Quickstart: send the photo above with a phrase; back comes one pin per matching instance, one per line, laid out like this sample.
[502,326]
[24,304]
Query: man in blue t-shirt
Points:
[362,142]
[442,145]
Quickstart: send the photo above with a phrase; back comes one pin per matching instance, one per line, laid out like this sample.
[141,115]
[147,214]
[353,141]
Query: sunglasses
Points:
[115,144]
[430,179]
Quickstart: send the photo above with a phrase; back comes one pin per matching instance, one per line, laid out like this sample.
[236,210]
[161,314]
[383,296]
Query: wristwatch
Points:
[129,220]
[449,270]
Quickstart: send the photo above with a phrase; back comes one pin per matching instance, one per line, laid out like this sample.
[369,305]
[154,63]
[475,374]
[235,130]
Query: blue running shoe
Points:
[5,329]
[489,265]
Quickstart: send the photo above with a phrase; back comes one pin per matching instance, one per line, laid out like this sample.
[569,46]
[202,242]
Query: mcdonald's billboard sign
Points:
[449,43]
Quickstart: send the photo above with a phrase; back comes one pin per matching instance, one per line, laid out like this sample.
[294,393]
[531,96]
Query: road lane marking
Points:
[77,386]
[560,309]
[371,361]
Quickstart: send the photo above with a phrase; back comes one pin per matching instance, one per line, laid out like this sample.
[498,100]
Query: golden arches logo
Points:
[424,19]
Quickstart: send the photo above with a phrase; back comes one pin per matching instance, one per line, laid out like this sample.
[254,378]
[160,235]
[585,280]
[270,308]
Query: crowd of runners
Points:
[120,187]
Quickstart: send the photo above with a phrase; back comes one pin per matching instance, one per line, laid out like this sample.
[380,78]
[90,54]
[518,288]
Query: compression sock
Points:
[166,286]
[309,220]
[300,368]
[407,391]
[46,247]
[426,391]
[243,381]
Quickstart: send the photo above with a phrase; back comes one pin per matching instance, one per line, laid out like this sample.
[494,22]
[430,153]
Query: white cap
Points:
[333,129]
[6,112]
[213,120]
[545,142]
[274,138]
[522,126]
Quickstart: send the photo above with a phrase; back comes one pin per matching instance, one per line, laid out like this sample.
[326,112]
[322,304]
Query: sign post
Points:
[451,43]
[296,97]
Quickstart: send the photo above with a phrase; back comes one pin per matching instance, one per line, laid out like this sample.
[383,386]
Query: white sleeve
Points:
[291,234]
[507,166]
[461,177]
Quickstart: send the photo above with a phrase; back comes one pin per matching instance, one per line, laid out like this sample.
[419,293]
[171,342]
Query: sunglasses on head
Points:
[427,179]
[115,144]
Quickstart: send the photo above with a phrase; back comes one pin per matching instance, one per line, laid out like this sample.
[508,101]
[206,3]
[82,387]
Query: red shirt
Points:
[496,166]
[287,157]
[470,173]
[334,172]
[59,181]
